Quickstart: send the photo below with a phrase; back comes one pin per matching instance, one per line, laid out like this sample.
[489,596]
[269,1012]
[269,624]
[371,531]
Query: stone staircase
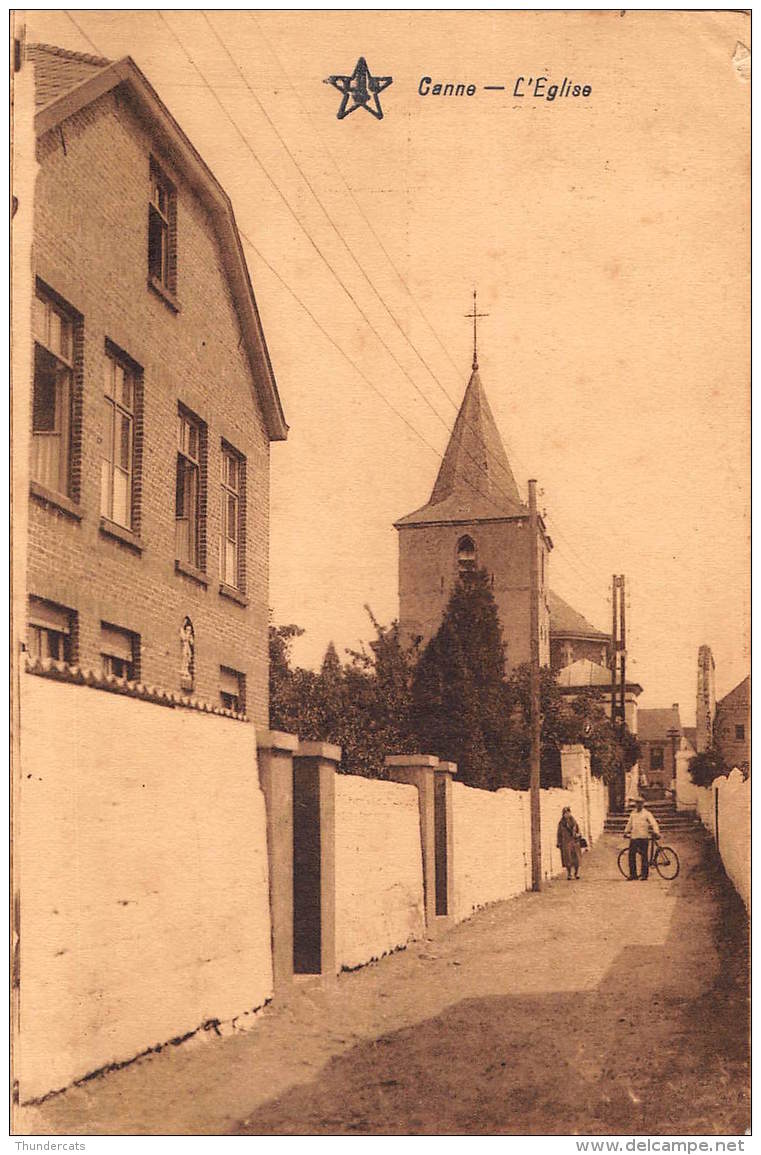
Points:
[665,813]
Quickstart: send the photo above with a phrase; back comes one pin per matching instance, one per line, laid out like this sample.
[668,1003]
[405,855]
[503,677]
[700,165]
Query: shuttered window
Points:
[232,689]
[49,631]
[119,651]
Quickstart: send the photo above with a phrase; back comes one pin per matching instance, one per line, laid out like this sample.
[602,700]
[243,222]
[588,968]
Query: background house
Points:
[732,726]
[660,735]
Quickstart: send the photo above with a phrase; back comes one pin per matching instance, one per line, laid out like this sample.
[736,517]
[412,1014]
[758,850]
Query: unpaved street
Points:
[598,1007]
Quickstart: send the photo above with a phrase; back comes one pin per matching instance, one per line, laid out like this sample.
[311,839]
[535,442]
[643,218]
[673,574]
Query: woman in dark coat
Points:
[569,838]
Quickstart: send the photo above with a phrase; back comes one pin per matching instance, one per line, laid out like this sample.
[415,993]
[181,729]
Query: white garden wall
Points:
[491,834]
[706,807]
[733,797]
[142,868]
[734,830]
[379,868]
[492,838]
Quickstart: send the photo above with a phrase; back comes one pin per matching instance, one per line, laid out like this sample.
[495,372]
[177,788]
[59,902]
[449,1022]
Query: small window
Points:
[49,631]
[656,758]
[162,210]
[117,467]
[466,556]
[189,507]
[232,689]
[52,394]
[232,537]
[119,652]
[739,733]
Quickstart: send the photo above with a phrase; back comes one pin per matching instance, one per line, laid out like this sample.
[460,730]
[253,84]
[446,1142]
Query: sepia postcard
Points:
[380,486]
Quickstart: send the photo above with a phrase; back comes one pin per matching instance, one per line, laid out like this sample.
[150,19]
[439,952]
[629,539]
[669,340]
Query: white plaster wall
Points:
[379,868]
[492,838]
[705,805]
[734,826]
[491,846]
[142,867]
[734,830]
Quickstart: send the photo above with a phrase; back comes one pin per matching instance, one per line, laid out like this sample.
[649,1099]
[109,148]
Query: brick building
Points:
[474,518]
[153,401]
[661,736]
[732,726]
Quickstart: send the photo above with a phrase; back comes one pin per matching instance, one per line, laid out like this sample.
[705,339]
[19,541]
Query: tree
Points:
[363,706]
[458,691]
[706,766]
[292,691]
[581,719]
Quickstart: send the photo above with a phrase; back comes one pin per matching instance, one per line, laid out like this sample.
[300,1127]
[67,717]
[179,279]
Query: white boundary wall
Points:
[142,871]
[379,868]
[492,838]
[733,796]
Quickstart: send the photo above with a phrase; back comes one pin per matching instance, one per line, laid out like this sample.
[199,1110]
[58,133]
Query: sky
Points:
[608,238]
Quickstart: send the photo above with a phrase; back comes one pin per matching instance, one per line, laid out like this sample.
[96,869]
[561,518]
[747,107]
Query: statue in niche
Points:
[187,655]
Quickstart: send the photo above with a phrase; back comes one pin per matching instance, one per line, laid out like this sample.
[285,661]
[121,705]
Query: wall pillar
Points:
[314,859]
[425,771]
[444,833]
[275,757]
[686,791]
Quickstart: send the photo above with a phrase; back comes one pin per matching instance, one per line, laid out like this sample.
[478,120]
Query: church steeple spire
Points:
[475,315]
[475,480]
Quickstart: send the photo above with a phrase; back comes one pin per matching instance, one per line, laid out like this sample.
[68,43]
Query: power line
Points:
[327,263]
[82,32]
[388,257]
[336,230]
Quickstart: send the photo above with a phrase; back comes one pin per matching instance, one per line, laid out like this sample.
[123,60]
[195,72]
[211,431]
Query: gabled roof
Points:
[475,481]
[654,725]
[739,696]
[566,621]
[57,70]
[66,82]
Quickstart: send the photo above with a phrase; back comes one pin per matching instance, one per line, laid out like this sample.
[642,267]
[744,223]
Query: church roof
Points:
[475,481]
[566,620]
[585,672]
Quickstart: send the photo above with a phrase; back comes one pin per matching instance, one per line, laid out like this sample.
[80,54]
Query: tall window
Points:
[161,230]
[52,393]
[231,539]
[118,446]
[656,758]
[119,652]
[466,556]
[232,690]
[188,503]
[49,631]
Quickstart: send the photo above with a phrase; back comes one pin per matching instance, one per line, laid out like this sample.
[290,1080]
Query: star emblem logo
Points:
[360,90]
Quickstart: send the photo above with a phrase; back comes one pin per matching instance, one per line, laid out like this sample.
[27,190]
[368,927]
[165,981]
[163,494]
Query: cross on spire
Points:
[475,315]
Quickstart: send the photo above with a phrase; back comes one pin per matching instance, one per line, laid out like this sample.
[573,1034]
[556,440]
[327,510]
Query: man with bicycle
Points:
[640,826]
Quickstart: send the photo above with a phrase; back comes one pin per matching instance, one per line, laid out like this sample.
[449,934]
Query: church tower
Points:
[475,518]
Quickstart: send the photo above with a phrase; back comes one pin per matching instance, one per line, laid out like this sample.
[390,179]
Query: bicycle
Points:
[663,858]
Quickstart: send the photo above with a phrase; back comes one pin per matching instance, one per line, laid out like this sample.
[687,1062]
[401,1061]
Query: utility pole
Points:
[622,644]
[536,722]
[614,649]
